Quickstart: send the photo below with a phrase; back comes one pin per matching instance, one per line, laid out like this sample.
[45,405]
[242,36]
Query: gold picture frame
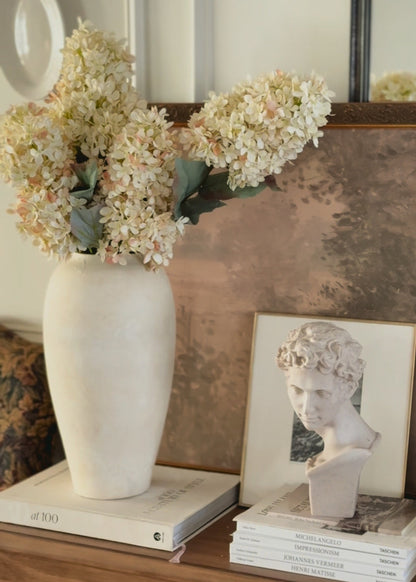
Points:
[389,352]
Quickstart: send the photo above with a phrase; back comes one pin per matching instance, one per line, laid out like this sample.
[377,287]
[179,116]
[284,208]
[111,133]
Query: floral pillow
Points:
[29,438]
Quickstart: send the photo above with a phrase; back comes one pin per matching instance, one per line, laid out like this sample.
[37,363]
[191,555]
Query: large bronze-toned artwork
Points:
[338,239]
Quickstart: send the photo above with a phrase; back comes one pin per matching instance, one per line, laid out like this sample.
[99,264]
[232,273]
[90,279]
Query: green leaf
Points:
[211,189]
[249,191]
[190,175]
[87,174]
[215,187]
[195,206]
[86,225]
[86,194]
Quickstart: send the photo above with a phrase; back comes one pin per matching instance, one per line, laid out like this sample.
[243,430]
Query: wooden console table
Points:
[35,555]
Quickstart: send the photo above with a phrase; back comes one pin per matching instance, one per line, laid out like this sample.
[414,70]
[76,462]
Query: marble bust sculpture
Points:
[323,368]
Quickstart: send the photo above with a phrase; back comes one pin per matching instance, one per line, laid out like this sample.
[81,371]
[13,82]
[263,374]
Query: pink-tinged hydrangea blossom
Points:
[93,115]
[260,125]
[137,191]
[94,96]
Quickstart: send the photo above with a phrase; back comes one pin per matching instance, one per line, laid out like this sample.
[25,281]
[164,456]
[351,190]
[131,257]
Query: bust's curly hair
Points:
[325,347]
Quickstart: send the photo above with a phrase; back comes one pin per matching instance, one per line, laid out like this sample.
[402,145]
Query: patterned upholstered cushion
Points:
[29,439]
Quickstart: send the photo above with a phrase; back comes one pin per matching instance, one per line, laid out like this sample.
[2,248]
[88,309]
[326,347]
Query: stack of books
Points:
[179,503]
[376,545]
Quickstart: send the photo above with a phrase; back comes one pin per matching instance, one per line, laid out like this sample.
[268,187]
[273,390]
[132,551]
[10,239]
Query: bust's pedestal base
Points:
[333,485]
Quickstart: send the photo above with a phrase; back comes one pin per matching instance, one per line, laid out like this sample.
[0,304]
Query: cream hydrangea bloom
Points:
[37,159]
[95,90]
[34,151]
[93,116]
[396,86]
[137,191]
[45,216]
[260,125]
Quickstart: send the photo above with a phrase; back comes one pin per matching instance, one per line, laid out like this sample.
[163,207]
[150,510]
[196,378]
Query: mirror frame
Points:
[360,51]
[400,114]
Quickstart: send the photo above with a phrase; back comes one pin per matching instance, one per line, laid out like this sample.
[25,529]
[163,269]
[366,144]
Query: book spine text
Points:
[331,552]
[308,570]
[88,524]
[302,559]
[324,540]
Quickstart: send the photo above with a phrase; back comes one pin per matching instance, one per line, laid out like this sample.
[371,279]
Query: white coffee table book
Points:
[179,503]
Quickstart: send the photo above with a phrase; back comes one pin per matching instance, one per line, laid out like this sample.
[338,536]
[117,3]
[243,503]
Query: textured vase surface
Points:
[109,337]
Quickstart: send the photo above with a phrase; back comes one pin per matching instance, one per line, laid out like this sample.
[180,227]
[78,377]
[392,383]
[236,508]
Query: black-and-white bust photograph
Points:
[318,410]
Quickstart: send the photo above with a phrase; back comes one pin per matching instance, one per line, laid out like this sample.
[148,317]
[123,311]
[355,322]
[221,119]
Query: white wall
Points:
[236,38]
[393,27]
[278,34]
[169,46]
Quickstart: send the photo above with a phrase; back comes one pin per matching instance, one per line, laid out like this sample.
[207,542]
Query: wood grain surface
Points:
[32,555]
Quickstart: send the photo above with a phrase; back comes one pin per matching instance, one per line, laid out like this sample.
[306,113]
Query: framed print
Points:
[277,445]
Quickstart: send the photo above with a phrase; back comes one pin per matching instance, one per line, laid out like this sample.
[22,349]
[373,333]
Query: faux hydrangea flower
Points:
[396,86]
[93,165]
[137,191]
[260,125]
[95,89]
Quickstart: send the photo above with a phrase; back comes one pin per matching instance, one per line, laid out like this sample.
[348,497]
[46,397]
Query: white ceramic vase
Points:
[109,338]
